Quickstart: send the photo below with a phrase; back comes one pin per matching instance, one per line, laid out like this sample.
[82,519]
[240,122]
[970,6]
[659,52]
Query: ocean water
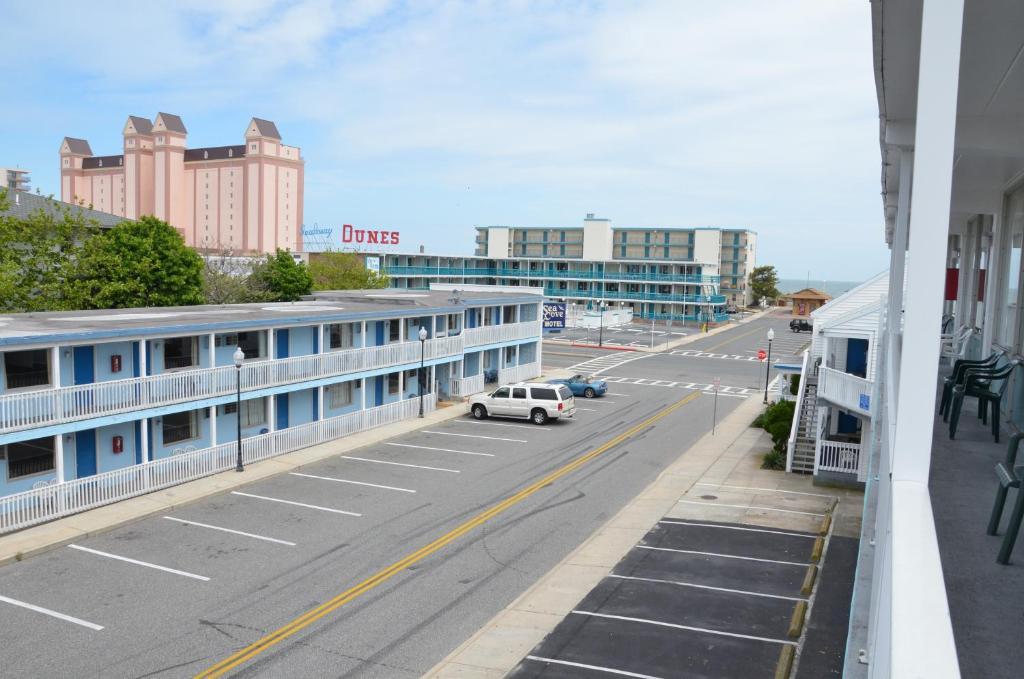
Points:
[834,288]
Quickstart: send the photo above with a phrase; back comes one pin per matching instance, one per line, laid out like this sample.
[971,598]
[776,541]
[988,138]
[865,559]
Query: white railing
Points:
[909,630]
[49,406]
[845,390]
[838,456]
[791,444]
[61,499]
[519,373]
[492,334]
[467,386]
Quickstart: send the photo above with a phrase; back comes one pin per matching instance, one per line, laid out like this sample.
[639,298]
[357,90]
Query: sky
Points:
[430,118]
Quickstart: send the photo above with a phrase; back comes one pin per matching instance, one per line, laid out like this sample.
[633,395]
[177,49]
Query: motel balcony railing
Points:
[642,296]
[504,272]
[842,457]
[845,390]
[466,386]
[53,500]
[518,373]
[25,410]
[490,334]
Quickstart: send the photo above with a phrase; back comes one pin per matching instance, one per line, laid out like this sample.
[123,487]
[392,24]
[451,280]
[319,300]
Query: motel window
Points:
[254,412]
[394,331]
[510,355]
[341,335]
[339,395]
[179,352]
[251,343]
[180,427]
[26,369]
[26,458]
[252,147]
[393,383]
[509,314]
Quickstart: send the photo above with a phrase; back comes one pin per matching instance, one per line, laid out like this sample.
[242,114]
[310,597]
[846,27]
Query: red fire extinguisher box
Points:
[118,444]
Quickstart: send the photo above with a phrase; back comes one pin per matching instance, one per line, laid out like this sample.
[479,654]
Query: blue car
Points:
[587,387]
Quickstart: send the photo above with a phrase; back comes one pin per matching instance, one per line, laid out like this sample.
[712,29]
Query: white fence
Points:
[467,386]
[491,334]
[518,373]
[845,390]
[61,499]
[49,406]
[838,456]
[791,444]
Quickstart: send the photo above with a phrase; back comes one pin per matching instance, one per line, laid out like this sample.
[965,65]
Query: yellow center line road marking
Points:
[309,617]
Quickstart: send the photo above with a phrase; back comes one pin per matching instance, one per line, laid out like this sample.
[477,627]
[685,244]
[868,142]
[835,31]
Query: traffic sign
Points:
[717,382]
[761,354]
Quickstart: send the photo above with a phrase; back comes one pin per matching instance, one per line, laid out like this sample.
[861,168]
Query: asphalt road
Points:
[226,590]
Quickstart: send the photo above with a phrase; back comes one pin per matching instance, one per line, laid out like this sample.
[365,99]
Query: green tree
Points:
[136,264]
[228,280]
[343,271]
[282,277]
[36,253]
[763,282]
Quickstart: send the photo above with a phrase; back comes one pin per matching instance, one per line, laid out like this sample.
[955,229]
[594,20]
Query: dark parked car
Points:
[798,325]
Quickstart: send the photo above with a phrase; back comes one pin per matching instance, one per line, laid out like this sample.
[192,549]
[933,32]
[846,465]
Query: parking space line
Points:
[400,464]
[141,563]
[473,436]
[770,490]
[767,509]
[297,504]
[440,450]
[355,483]
[230,530]
[596,668]
[752,530]
[504,424]
[724,556]
[715,589]
[602,401]
[688,628]
[589,410]
[52,614]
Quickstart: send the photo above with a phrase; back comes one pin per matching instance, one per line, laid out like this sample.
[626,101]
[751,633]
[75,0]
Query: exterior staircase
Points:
[804,446]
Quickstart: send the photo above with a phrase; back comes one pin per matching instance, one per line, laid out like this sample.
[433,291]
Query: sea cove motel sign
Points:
[324,236]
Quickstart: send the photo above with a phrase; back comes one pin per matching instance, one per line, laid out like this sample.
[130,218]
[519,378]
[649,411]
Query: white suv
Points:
[535,401]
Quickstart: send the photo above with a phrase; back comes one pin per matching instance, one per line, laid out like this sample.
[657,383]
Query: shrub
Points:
[794,385]
[777,420]
[775,460]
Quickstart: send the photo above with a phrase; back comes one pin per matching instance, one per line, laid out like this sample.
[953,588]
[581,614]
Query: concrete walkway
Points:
[719,479]
[41,538]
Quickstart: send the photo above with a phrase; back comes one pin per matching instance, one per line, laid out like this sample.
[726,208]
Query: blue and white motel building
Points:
[89,393]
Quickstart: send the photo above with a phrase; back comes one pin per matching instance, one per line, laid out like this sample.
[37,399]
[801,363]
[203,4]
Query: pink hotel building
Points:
[245,198]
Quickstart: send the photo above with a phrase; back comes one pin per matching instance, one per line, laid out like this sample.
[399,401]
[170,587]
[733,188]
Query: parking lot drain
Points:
[796,623]
[785,664]
[808,586]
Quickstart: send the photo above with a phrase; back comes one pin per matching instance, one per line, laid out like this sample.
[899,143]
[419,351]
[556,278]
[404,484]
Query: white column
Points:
[271,412]
[401,384]
[146,453]
[362,390]
[212,358]
[142,357]
[213,425]
[992,274]
[929,223]
[365,340]
[55,367]
[270,343]
[321,341]
[58,451]
[897,267]
[320,391]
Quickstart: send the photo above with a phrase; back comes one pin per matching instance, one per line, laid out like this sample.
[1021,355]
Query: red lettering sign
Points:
[349,234]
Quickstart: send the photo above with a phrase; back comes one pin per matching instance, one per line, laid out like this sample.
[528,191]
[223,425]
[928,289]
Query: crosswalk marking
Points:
[596,366]
[724,390]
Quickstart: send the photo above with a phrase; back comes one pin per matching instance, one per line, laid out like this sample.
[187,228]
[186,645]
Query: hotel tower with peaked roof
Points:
[246,198]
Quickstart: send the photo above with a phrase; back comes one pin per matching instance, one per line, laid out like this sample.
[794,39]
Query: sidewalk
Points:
[41,538]
[717,480]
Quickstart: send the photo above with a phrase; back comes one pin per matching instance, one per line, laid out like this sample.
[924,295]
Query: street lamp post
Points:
[423,344]
[238,357]
[600,332]
[768,362]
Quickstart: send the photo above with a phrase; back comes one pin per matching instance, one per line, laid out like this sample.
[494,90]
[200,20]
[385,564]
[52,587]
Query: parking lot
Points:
[217,574]
[636,334]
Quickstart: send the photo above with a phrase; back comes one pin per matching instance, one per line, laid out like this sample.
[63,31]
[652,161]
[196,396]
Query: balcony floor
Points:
[986,600]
